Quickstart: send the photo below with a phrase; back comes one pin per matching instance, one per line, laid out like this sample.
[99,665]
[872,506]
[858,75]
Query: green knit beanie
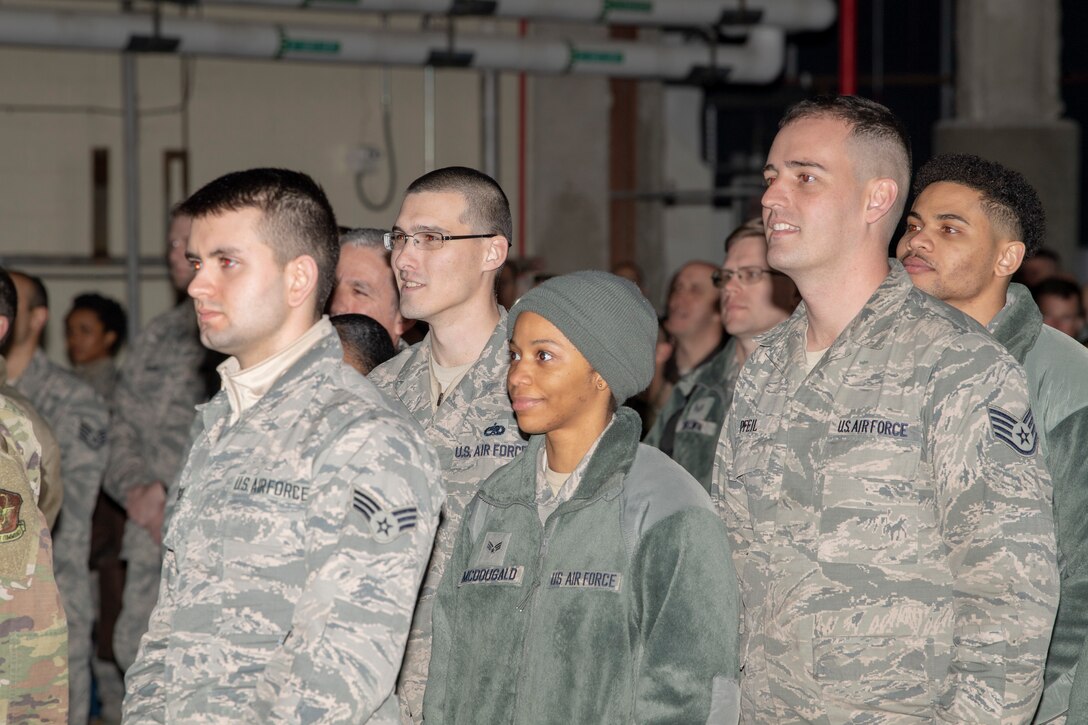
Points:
[607,318]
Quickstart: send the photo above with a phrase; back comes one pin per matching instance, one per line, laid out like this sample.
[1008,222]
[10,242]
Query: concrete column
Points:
[1009,108]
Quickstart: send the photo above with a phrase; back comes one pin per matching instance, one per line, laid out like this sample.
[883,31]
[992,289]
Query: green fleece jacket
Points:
[621,608]
[1057,370]
[702,402]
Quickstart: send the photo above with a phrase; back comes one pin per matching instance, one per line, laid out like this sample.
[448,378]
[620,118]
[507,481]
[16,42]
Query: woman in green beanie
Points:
[591,581]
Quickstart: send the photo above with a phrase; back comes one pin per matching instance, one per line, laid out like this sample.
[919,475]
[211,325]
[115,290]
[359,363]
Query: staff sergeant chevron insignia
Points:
[385,525]
[1020,435]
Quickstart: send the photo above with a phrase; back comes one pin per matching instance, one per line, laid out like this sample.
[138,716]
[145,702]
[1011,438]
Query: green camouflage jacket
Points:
[293,557]
[891,522]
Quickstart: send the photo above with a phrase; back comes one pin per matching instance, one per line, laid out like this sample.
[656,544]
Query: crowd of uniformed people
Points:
[363,475]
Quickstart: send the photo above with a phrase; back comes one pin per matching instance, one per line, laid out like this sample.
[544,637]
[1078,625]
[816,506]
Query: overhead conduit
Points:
[759,59]
[789,15]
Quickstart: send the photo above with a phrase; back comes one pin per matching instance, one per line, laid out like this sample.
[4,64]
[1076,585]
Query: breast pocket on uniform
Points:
[875,508]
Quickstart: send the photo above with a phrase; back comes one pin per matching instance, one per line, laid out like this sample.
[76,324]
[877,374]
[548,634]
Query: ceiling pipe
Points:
[788,15]
[758,60]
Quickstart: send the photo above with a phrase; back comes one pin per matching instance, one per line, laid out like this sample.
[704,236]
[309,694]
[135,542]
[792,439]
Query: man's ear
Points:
[1009,258]
[301,274]
[5,325]
[882,195]
[38,317]
[497,250]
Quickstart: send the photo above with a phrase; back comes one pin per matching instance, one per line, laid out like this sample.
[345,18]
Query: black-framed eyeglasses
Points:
[745,276]
[395,241]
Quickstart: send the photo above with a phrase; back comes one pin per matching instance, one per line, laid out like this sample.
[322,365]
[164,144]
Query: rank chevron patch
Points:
[385,525]
[1020,435]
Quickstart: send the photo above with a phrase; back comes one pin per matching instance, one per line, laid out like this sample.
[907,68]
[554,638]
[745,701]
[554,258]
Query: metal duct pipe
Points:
[758,60]
[788,15]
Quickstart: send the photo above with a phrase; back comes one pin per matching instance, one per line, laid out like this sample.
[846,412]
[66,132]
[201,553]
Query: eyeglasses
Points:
[745,276]
[394,241]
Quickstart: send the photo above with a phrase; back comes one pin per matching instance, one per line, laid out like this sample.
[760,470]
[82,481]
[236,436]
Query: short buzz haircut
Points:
[366,343]
[870,123]
[487,210]
[296,217]
[751,228]
[1008,200]
[9,301]
[108,311]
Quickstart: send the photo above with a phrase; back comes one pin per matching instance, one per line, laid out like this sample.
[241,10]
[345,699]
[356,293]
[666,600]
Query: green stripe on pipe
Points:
[596,56]
[633,6]
[321,47]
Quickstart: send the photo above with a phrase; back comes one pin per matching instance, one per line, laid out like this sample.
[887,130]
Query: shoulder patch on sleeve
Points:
[385,525]
[95,438]
[1018,434]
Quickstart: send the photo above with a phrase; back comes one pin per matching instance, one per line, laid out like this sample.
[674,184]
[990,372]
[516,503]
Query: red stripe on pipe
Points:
[848,47]
[523,27]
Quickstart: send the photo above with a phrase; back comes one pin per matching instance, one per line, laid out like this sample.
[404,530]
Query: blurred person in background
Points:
[365,284]
[79,418]
[1060,302]
[754,298]
[95,330]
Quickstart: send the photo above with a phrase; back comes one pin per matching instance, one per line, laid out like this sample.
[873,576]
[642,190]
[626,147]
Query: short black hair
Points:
[109,312]
[1058,287]
[296,216]
[868,120]
[487,210]
[366,343]
[1007,197]
[9,301]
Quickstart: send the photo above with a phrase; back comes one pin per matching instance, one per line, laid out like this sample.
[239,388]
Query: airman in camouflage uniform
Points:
[307,505]
[450,285]
[968,213]
[33,633]
[160,383]
[80,419]
[52,489]
[888,508]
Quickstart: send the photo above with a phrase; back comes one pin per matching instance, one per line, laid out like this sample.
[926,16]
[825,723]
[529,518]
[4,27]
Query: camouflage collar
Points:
[1018,323]
[870,327]
[308,371]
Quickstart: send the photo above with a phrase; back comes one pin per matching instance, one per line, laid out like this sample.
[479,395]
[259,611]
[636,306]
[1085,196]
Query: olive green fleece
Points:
[622,607]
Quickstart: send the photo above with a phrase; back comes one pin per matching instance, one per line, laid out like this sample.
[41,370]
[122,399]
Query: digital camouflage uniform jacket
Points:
[621,608]
[51,495]
[1057,370]
[33,633]
[891,522]
[293,557]
[705,399]
[79,418]
[474,432]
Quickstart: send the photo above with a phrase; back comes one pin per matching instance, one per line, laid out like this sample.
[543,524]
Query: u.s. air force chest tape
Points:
[18,540]
[600,581]
[494,443]
[386,524]
[488,564]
